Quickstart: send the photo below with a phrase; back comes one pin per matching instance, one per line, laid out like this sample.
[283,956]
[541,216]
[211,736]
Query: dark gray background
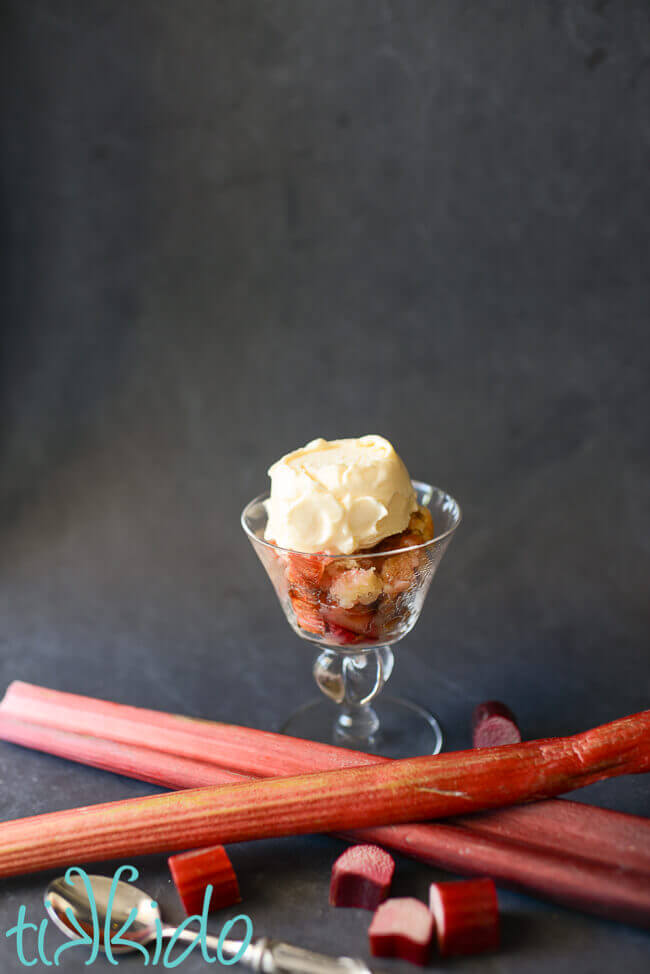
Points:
[229,227]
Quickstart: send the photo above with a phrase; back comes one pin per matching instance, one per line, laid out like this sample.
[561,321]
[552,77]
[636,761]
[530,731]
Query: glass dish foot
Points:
[392,727]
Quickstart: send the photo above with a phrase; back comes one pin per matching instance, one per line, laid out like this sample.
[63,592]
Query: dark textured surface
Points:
[230,227]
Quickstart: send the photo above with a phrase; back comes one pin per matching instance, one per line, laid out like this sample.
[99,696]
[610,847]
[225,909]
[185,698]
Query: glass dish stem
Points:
[353,681]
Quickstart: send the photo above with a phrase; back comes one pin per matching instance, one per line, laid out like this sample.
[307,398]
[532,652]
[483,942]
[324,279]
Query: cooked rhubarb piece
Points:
[403,928]
[398,571]
[307,612]
[305,571]
[192,872]
[466,914]
[358,621]
[494,724]
[422,522]
[406,539]
[352,600]
[361,877]
[344,637]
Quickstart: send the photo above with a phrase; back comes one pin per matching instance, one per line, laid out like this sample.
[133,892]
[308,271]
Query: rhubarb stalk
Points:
[568,827]
[603,834]
[393,792]
[156,767]
[546,857]
[242,749]
[574,830]
[594,887]
[563,826]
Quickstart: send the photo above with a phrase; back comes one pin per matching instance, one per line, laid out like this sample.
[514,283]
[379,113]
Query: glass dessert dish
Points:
[355,608]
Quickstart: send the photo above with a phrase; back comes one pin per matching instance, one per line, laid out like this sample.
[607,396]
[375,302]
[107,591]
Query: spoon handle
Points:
[266,956]
[276,957]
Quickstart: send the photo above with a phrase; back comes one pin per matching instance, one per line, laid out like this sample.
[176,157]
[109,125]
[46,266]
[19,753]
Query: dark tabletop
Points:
[228,228]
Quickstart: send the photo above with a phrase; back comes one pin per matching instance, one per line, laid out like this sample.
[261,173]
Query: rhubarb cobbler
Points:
[349,541]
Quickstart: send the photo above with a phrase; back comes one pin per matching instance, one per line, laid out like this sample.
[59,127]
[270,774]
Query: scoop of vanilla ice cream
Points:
[338,496]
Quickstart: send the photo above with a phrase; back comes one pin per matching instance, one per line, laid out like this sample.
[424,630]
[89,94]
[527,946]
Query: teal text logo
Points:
[104,934]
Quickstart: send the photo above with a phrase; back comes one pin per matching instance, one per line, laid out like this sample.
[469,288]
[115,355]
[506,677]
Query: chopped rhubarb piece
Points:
[494,724]
[466,914]
[344,637]
[403,928]
[422,522]
[359,620]
[308,614]
[397,573]
[361,877]
[192,872]
[306,571]
[396,542]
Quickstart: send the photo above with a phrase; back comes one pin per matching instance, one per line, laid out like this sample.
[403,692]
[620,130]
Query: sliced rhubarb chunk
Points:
[494,724]
[306,571]
[466,914]
[361,877]
[307,612]
[344,637]
[398,571]
[193,871]
[402,927]
[359,620]
[422,522]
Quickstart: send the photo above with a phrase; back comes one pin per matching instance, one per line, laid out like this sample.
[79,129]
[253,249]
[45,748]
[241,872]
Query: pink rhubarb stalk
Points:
[610,836]
[393,792]
[619,844]
[566,827]
[131,760]
[243,749]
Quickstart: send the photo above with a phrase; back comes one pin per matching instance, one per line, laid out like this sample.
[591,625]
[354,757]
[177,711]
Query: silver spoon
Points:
[262,954]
